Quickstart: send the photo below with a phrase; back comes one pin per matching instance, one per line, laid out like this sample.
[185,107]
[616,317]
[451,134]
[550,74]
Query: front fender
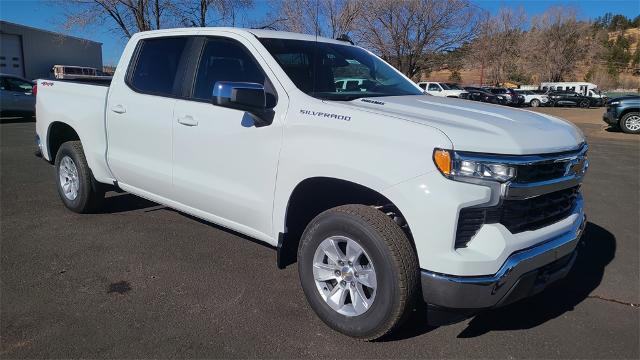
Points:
[372,150]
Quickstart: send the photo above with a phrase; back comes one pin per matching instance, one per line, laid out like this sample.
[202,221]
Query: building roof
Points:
[3,22]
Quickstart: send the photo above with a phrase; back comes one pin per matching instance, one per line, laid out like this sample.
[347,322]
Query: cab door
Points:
[140,113]
[224,164]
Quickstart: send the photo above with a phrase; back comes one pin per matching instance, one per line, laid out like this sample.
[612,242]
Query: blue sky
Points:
[48,15]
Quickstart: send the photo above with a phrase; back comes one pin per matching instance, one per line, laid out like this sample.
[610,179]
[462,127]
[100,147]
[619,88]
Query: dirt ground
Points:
[590,122]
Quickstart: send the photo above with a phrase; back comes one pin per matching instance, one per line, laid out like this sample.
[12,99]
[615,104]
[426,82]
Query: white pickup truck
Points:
[383,196]
[442,89]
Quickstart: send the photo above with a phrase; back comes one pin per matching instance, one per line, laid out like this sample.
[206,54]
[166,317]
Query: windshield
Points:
[337,72]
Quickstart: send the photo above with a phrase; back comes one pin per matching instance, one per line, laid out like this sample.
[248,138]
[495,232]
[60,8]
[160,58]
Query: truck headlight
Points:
[458,167]
[614,103]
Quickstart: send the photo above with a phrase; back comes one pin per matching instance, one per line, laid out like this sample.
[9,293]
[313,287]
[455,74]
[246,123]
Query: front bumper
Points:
[524,273]
[610,116]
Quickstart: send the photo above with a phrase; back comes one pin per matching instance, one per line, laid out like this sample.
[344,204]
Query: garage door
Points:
[11,54]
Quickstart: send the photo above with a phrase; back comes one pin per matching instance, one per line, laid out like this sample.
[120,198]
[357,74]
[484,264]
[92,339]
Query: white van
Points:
[583,88]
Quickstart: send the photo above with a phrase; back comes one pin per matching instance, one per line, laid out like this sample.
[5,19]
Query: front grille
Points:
[537,212]
[540,172]
[517,215]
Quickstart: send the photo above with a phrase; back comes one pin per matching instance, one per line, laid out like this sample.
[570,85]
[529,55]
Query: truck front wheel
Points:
[76,186]
[358,271]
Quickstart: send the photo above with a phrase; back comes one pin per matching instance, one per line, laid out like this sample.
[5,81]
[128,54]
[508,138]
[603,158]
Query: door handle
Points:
[118,109]
[188,120]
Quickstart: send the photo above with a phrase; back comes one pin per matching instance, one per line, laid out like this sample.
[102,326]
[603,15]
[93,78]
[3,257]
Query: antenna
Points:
[345,38]
[315,49]
[317,24]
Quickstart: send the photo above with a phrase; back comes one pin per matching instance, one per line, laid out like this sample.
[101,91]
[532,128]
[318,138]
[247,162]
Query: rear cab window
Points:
[156,65]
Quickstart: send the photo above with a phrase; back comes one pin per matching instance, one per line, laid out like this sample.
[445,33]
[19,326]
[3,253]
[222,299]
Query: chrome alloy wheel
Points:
[633,122]
[344,275]
[68,173]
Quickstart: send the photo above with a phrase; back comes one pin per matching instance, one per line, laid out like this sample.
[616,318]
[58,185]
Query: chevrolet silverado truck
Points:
[386,198]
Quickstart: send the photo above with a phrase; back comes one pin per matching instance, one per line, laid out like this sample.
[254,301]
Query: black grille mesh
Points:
[517,215]
[540,172]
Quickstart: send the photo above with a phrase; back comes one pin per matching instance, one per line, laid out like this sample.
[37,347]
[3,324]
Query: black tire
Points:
[90,194]
[534,103]
[393,258]
[625,122]
[584,104]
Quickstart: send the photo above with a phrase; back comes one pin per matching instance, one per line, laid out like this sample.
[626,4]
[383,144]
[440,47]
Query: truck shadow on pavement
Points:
[124,202]
[595,253]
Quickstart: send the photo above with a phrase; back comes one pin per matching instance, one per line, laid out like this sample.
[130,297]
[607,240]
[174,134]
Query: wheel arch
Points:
[626,111]
[58,133]
[314,195]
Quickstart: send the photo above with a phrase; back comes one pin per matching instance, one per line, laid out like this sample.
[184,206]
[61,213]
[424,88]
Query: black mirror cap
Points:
[245,96]
[252,98]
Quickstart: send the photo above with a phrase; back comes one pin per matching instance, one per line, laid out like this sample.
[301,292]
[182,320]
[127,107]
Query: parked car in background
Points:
[16,96]
[583,88]
[624,112]
[532,99]
[513,99]
[350,84]
[571,98]
[442,89]
[479,94]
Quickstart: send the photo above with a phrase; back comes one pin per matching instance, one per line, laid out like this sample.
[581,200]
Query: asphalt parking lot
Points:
[141,280]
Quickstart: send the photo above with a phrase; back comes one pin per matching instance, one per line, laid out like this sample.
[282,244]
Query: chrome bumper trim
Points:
[479,292]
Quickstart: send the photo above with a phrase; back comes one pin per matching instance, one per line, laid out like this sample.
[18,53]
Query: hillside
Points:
[471,76]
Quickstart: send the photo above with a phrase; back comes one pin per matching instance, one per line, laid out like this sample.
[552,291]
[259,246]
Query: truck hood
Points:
[480,127]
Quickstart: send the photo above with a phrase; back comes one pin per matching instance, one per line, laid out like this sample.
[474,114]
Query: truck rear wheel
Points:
[77,188]
[358,271]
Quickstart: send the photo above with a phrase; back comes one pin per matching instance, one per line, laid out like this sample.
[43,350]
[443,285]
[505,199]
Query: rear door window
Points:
[157,65]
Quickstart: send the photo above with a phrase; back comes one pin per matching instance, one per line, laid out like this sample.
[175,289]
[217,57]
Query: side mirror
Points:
[245,96]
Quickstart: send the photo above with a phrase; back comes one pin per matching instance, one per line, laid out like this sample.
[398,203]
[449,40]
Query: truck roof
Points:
[260,33]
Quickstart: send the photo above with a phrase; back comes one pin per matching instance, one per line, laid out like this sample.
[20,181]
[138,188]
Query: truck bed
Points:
[81,106]
[93,81]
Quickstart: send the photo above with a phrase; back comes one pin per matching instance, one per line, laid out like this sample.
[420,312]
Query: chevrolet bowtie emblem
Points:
[575,166]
